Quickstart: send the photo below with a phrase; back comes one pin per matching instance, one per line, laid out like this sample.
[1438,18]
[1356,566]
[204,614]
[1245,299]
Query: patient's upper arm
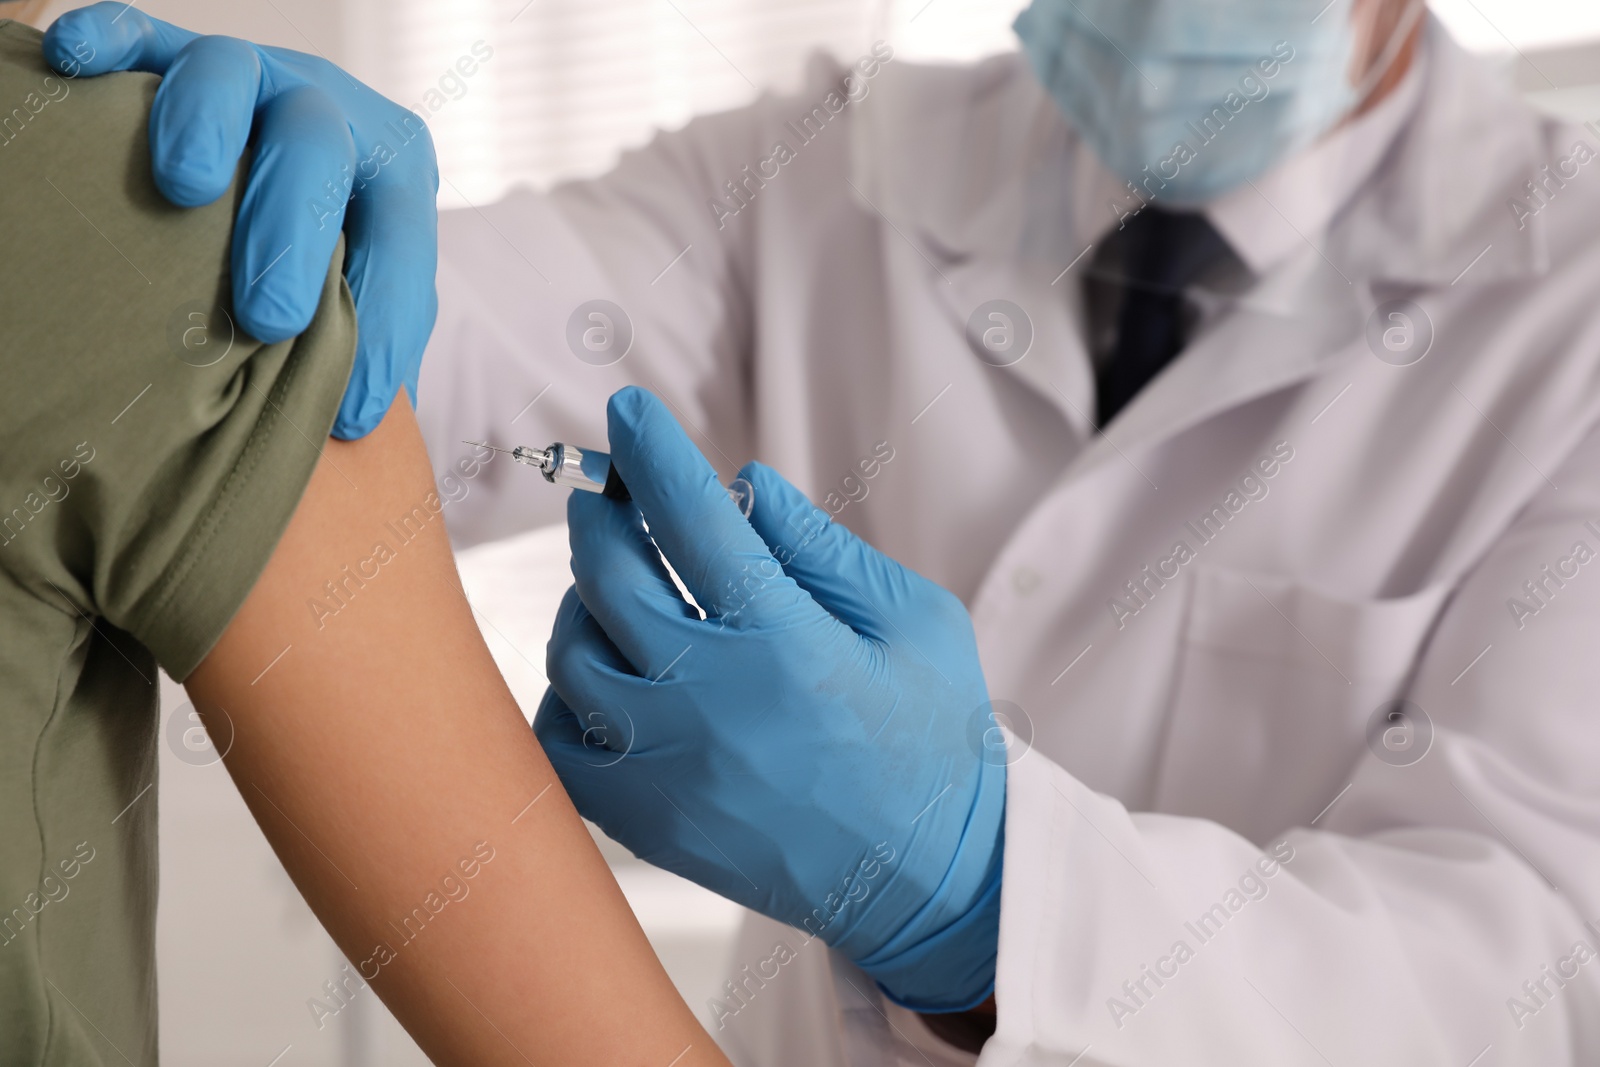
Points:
[388,763]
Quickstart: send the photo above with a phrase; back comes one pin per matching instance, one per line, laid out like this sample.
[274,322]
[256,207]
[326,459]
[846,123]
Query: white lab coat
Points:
[1172,760]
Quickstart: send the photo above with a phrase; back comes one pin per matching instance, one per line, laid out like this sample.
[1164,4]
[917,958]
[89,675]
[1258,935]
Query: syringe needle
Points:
[578,468]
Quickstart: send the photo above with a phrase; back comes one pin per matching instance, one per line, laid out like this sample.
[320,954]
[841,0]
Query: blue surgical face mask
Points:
[1188,99]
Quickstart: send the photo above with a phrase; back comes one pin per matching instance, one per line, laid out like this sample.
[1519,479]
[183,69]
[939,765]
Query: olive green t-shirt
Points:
[152,456]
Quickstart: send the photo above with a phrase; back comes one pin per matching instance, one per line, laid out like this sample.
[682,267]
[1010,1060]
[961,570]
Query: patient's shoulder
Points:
[80,205]
[118,342]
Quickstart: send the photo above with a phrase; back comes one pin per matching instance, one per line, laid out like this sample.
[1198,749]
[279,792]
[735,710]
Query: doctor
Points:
[1236,366]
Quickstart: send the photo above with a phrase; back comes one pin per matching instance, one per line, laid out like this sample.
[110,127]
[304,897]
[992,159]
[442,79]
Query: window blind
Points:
[532,91]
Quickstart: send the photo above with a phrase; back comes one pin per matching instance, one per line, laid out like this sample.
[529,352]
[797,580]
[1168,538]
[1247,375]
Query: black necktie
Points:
[1142,270]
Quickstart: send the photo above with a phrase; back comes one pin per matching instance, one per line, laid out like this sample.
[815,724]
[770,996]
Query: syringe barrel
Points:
[587,469]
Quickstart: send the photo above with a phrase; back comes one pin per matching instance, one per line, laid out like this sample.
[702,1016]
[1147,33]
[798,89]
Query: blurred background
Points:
[571,82]
[559,88]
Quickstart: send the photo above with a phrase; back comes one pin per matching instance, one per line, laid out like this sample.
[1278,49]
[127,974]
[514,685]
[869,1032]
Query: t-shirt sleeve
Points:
[154,452]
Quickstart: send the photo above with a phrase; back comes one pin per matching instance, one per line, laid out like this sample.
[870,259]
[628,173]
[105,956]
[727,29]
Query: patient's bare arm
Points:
[389,766]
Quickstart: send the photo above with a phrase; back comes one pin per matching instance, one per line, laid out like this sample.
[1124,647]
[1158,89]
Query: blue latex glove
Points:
[806,748]
[330,153]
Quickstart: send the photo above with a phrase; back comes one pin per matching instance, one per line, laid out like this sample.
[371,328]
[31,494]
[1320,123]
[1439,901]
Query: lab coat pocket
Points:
[1275,686]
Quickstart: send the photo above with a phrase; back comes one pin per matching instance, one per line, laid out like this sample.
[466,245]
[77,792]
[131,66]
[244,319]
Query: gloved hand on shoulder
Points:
[330,155]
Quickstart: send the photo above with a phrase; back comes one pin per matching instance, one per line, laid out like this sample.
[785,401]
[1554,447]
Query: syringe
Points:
[569,465]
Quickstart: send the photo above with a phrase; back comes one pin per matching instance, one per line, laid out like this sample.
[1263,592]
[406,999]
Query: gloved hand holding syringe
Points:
[804,744]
